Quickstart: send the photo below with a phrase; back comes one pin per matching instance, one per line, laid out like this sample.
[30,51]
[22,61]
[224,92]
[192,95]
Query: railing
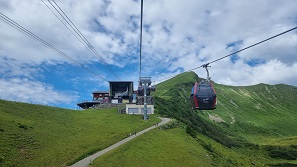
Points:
[149,100]
[110,105]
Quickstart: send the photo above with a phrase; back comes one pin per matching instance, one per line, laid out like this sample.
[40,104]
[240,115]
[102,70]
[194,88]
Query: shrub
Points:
[21,126]
[288,153]
[191,132]
[171,125]
[2,159]
[285,164]
[208,147]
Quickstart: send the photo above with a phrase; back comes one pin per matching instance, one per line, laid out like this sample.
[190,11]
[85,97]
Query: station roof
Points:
[87,104]
[101,91]
[120,81]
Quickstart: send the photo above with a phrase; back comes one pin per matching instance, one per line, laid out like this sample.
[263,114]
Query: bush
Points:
[208,147]
[285,164]
[288,153]
[191,132]
[21,126]
[170,125]
[2,159]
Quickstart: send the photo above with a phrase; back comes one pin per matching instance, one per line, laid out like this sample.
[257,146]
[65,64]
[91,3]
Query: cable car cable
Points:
[64,24]
[248,47]
[77,31]
[40,40]
[83,38]
[235,52]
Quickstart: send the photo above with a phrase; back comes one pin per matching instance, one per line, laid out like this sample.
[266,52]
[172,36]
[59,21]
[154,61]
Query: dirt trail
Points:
[86,161]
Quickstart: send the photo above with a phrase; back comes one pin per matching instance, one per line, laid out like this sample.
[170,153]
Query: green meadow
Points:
[257,121]
[252,126]
[36,135]
[172,147]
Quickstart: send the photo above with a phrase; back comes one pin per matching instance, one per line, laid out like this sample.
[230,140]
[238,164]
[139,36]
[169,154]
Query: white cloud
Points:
[282,48]
[25,90]
[276,72]
[273,72]
[177,36]
[213,25]
[10,67]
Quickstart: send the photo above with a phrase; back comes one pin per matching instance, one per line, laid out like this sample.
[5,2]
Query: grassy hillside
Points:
[260,118]
[35,135]
[175,148]
[252,126]
[152,149]
[260,113]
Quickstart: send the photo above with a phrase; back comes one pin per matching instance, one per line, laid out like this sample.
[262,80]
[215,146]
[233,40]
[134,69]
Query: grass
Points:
[35,135]
[171,147]
[254,117]
[163,88]
[174,147]
[259,129]
[265,112]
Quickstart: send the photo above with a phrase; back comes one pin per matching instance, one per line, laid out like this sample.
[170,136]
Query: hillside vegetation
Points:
[261,118]
[35,135]
[173,147]
[252,126]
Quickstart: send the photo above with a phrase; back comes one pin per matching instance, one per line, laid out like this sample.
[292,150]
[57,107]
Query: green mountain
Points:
[261,117]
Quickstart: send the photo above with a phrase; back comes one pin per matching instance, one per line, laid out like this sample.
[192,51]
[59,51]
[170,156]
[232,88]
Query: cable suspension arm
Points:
[140,38]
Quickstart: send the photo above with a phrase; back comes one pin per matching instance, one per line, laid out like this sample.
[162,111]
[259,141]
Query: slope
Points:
[269,109]
[260,113]
[237,137]
[172,146]
[35,135]
[261,118]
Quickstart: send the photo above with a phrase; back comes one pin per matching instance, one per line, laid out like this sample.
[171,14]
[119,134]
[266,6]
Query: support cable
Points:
[206,64]
[46,44]
[88,45]
[64,24]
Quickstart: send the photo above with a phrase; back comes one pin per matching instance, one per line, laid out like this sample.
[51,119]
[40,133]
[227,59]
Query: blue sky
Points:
[176,37]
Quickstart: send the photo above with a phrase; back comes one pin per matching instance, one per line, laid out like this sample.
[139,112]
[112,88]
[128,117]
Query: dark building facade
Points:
[102,96]
[120,91]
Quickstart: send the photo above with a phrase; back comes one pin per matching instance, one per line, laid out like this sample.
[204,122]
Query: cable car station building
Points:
[121,92]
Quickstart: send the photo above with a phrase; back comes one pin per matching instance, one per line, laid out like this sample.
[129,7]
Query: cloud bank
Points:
[177,36]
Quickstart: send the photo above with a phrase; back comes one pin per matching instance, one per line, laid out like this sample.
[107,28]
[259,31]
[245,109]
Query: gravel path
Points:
[86,161]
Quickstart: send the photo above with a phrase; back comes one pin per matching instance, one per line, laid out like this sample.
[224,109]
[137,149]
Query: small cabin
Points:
[102,96]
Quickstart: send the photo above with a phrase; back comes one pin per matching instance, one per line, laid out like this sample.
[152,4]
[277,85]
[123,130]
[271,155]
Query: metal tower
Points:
[146,82]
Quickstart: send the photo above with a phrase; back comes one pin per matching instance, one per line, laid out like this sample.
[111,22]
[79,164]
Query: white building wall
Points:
[138,109]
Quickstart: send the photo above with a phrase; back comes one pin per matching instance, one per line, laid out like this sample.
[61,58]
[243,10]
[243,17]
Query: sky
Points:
[177,36]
